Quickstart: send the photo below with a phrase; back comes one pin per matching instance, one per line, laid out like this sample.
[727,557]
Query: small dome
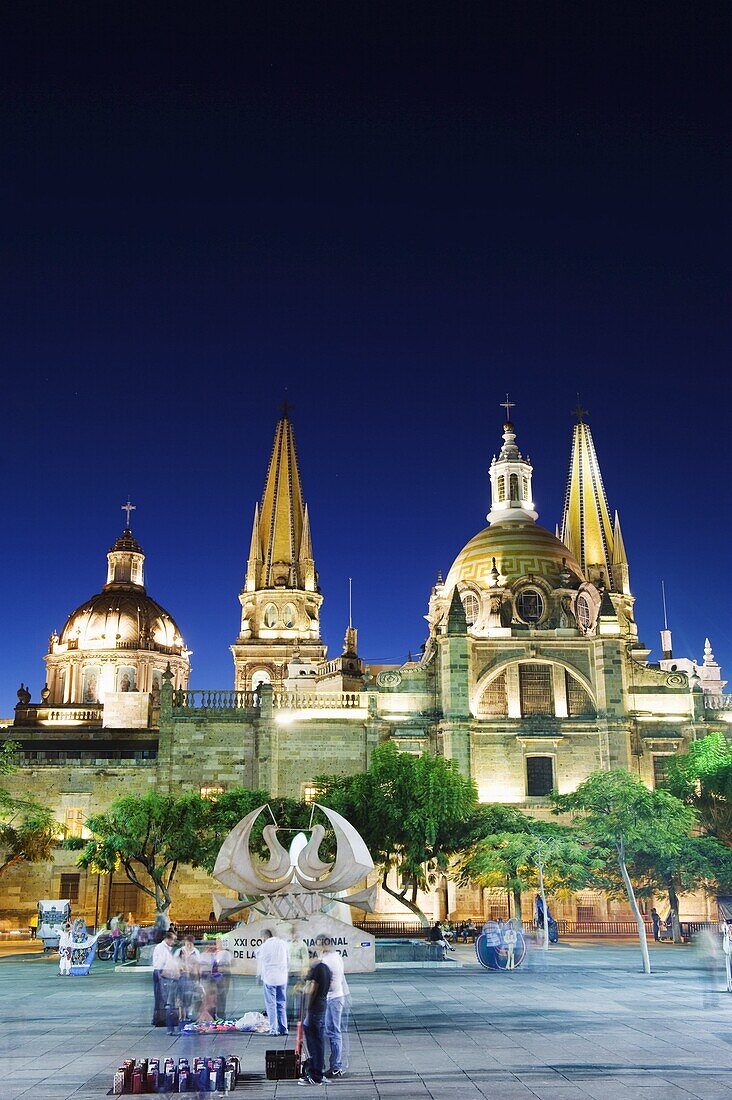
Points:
[122,620]
[126,542]
[519,549]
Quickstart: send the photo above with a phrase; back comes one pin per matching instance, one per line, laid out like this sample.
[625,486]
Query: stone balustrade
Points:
[215,700]
[336,700]
[718,702]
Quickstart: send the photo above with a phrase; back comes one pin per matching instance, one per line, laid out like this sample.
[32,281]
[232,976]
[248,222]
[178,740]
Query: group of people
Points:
[662,929]
[189,984]
[319,983]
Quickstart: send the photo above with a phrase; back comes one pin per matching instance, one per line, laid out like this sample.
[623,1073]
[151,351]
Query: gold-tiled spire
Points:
[586,528]
[281,531]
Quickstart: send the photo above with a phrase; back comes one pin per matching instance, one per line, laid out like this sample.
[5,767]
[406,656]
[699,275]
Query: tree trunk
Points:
[516,890]
[412,906]
[545,936]
[673,901]
[634,907]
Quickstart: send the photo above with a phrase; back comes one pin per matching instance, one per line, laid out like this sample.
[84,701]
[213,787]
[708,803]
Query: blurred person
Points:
[298,964]
[316,989]
[272,967]
[120,941]
[33,926]
[189,960]
[64,950]
[336,1010]
[165,972]
[221,972]
[656,922]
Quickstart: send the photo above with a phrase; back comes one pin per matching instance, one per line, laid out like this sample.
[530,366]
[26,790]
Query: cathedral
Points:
[532,675]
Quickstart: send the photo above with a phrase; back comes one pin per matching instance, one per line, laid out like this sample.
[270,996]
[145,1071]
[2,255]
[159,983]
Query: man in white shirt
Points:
[166,971]
[336,1008]
[272,963]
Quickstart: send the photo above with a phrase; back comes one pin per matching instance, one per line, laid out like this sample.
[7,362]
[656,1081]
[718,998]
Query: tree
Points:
[616,811]
[28,831]
[702,777]
[529,855]
[700,862]
[411,812]
[148,836]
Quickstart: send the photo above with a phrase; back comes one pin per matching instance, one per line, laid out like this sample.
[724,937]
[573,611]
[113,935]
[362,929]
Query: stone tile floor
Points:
[583,1022]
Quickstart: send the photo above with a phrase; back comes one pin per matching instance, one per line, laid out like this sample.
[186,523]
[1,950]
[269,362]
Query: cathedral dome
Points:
[519,549]
[122,619]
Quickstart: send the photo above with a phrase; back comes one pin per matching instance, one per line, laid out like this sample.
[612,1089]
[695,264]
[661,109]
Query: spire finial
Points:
[128,507]
[579,412]
[350,603]
[508,405]
[286,407]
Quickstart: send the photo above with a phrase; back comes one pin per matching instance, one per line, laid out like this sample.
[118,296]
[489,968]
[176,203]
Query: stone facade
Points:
[532,676]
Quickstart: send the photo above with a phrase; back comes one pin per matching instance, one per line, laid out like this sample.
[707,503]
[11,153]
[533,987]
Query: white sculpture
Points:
[295,887]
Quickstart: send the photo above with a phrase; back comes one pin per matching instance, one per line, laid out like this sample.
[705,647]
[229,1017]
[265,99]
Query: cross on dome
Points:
[508,405]
[128,507]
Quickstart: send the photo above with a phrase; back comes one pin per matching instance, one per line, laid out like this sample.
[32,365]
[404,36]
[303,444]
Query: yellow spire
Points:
[586,526]
[281,512]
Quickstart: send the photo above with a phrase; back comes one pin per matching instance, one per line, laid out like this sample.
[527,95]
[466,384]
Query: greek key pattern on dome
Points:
[510,565]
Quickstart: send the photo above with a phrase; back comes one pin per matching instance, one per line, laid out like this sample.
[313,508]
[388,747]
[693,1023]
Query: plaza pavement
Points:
[583,1022]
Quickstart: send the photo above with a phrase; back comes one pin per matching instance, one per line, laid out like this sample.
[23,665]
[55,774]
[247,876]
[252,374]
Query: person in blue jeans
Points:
[316,988]
[336,1010]
[272,965]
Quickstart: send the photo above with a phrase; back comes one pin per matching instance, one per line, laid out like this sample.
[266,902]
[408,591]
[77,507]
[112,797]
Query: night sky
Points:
[391,213]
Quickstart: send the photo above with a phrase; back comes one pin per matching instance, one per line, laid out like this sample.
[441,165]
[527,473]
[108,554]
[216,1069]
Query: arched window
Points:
[471,607]
[501,488]
[536,689]
[493,702]
[270,616]
[514,484]
[525,483]
[261,676]
[539,776]
[289,616]
[579,703]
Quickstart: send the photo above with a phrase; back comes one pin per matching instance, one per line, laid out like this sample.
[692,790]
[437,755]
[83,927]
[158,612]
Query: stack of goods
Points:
[203,1028]
[205,1075]
[282,1065]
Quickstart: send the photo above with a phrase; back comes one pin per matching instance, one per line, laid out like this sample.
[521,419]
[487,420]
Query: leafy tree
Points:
[28,837]
[700,862]
[148,836]
[616,811]
[28,831]
[529,856]
[411,812]
[702,777]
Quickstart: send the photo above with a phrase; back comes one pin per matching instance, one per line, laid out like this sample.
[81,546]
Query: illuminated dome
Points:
[514,550]
[118,642]
[115,619]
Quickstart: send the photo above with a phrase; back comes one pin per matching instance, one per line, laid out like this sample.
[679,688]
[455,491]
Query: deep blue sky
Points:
[398,212]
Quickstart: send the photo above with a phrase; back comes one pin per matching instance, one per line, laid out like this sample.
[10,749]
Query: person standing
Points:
[222,969]
[64,950]
[297,967]
[165,971]
[120,940]
[336,1010]
[316,988]
[189,960]
[272,964]
[656,921]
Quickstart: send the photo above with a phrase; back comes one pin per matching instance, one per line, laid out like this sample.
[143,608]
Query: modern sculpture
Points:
[294,890]
[501,947]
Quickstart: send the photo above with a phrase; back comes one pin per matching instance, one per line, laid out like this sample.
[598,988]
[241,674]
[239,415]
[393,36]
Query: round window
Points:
[471,607]
[270,615]
[288,616]
[584,612]
[530,605]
